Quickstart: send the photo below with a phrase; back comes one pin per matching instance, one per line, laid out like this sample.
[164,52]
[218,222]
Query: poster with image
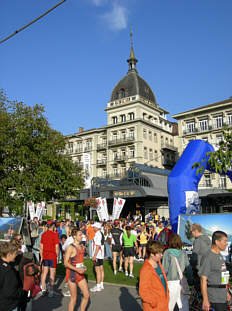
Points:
[209,224]
[9,226]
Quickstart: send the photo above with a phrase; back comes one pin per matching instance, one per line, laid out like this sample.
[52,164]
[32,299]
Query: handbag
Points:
[183,282]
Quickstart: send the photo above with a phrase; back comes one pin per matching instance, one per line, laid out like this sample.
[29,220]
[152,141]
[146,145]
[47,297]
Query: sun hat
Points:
[97,225]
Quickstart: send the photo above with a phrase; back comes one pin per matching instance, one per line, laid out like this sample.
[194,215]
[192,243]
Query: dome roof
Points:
[130,85]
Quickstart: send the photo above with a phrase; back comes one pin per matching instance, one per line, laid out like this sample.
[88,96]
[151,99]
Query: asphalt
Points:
[113,298]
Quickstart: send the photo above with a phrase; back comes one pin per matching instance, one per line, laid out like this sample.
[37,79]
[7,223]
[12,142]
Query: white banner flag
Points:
[114,209]
[87,169]
[119,206]
[31,208]
[104,204]
[39,210]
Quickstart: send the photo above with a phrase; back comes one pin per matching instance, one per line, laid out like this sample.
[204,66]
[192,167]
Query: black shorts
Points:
[116,248]
[98,262]
[143,245]
[129,252]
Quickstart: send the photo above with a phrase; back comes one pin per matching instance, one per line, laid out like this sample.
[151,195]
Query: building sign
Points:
[126,193]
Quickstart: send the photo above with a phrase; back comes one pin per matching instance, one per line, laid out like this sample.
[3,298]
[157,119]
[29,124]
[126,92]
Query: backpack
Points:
[163,237]
[102,239]
[28,272]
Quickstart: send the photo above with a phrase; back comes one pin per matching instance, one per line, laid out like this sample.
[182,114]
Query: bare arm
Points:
[98,247]
[41,251]
[205,304]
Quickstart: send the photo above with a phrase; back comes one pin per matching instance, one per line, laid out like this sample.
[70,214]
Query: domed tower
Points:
[137,128]
[132,84]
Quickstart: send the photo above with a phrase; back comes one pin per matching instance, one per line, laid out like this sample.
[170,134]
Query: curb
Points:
[106,283]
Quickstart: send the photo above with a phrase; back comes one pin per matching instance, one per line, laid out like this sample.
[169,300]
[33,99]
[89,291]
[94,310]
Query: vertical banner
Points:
[104,205]
[39,210]
[114,209]
[120,204]
[87,169]
[31,208]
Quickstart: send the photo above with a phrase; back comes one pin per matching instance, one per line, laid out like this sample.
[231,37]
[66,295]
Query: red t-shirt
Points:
[49,240]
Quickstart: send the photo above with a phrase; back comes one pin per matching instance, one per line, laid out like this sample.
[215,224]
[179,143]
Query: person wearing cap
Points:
[49,253]
[98,256]
[129,241]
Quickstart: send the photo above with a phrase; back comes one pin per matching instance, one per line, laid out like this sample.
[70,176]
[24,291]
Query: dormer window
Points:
[121,93]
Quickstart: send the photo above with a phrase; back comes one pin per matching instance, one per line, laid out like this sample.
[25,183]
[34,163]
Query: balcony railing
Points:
[101,146]
[102,162]
[168,162]
[88,148]
[123,140]
[168,146]
[78,150]
[120,158]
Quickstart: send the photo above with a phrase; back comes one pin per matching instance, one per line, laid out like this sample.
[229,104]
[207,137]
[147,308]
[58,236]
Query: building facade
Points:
[206,123]
[137,131]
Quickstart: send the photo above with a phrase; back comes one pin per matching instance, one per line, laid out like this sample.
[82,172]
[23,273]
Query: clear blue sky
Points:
[70,60]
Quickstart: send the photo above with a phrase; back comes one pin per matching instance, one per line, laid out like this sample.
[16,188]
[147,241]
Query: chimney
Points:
[81,129]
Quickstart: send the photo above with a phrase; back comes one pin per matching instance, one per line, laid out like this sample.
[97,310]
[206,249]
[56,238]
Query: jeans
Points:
[90,248]
[108,250]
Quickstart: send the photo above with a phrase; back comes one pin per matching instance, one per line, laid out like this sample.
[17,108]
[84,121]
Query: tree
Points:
[220,160]
[32,163]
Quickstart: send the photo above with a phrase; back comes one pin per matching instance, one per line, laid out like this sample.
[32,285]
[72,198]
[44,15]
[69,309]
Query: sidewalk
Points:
[113,298]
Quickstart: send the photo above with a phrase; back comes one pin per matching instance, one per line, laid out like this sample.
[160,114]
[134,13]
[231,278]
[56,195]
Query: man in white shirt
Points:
[98,256]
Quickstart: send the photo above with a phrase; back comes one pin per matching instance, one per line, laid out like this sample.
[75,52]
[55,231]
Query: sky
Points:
[70,60]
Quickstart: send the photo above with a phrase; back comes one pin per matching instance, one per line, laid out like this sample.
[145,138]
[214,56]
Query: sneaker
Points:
[140,259]
[131,275]
[115,272]
[50,294]
[120,270]
[102,286]
[65,285]
[126,273]
[43,292]
[95,289]
[67,294]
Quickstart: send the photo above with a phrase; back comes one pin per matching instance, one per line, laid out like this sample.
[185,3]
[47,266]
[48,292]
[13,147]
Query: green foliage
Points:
[81,218]
[47,218]
[32,165]
[220,160]
[95,218]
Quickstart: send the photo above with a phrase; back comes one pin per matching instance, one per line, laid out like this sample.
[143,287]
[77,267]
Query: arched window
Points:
[121,93]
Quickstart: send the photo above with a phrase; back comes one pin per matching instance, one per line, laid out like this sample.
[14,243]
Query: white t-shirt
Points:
[97,241]
[69,241]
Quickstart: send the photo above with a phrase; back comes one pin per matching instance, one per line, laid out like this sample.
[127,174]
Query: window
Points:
[229,118]
[162,140]
[115,136]
[70,147]
[150,135]
[207,180]
[121,93]
[145,153]
[123,118]
[115,155]
[132,153]
[123,168]
[115,171]
[114,120]
[156,155]
[88,145]
[222,182]
[132,133]
[218,122]
[190,127]
[123,153]
[150,154]
[218,140]
[171,141]
[131,116]
[104,173]
[205,138]
[145,134]
[204,125]
[155,137]
[144,116]
[123,134]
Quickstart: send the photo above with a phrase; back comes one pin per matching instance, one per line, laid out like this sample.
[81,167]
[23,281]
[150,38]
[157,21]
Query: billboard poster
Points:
[209,224]
[40,210]
[9,226]
[117,207]
[102,210]
[31,208]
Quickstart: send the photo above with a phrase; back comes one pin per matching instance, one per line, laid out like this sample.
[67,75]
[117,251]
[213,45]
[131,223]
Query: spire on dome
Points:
[132,60]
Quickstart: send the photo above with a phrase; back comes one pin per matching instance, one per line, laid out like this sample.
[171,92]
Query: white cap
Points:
[97,225]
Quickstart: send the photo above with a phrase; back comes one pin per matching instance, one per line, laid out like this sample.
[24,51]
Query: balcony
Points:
[116,175]
[102,162]
[189,132]
[88,148]
[168,162]
[101,146]
[78,150]
[120,158]
[169,147]
[121,141]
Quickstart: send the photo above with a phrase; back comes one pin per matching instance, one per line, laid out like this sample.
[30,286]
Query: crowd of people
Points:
[165,263]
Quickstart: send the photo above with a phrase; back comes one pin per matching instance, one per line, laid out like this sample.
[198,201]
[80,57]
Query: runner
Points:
[116,242]
[74,262]
[49,253]
[129,241]
[142,239]
[98,256]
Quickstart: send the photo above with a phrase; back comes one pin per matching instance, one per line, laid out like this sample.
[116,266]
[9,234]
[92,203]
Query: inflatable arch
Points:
[183,181]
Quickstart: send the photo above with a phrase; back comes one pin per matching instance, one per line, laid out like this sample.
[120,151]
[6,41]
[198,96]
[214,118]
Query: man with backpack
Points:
[98,256]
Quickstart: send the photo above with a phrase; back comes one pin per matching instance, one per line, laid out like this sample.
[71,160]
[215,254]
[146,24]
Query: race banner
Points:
[106,214]
[40,210]
[87,169]
[31,208]
[100,209]
[117,207]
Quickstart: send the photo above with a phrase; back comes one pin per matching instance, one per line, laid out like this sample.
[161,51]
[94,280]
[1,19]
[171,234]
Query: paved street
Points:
[113,298]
